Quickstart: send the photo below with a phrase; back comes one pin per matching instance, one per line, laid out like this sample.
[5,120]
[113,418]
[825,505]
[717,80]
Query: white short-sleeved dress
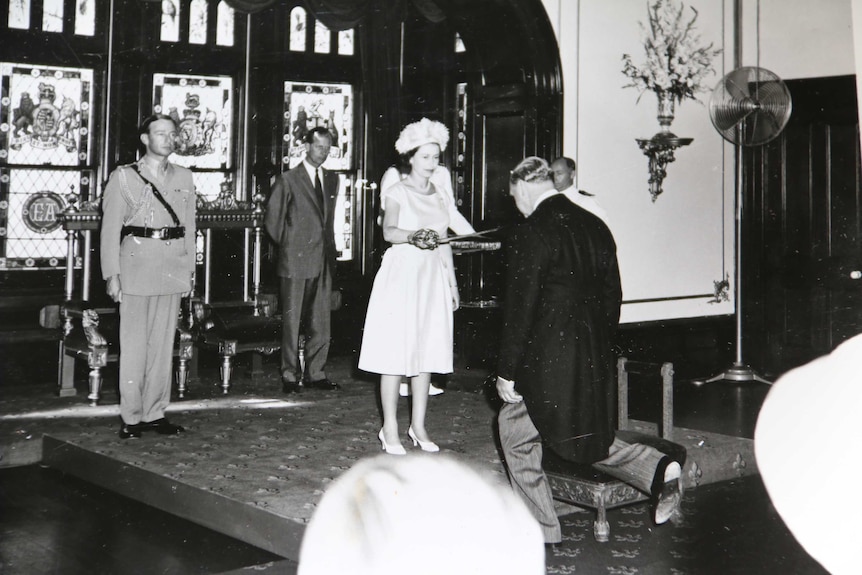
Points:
[408,325]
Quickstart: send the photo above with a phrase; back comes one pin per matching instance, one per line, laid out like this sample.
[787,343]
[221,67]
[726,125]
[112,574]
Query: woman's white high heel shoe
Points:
[391,449]
[429,446]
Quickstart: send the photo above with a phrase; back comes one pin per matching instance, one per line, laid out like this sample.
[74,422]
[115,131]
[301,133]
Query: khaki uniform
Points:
[153,274]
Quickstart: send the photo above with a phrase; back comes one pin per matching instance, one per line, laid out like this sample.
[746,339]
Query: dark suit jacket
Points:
[300,225]
[562,308]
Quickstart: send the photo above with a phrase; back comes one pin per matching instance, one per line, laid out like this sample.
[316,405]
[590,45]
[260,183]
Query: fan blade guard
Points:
[750,106]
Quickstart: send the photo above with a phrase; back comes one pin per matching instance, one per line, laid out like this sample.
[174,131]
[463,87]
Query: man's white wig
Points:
[423,132]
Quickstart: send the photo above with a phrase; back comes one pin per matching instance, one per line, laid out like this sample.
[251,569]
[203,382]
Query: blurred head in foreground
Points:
[420,515]
[807,447]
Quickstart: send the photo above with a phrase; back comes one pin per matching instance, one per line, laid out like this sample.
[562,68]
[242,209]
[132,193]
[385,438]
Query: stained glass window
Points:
[345,213]
[345,42]
[297,29]
[85,17]
[322,38]
[202,107]
[225,25]
[45,115]
[45,119]
[31,235]
[309,105]
[52,16]
[19,14]
[198,22]
[170,30]
[208,184]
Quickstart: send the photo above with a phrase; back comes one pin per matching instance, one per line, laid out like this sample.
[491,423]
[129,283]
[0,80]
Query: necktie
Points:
[318,187]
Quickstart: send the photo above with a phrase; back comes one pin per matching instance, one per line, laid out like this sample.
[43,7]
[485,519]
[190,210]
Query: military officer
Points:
[148,262]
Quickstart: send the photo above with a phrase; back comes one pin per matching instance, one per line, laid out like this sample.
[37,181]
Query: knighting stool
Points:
[236,328]
[581,485]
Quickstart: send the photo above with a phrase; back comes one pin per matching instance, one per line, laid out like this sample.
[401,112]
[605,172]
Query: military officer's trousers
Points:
[148,326]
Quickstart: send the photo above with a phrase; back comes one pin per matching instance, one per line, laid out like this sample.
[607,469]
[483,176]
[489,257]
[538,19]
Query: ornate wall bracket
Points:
[722,290]
[659,149]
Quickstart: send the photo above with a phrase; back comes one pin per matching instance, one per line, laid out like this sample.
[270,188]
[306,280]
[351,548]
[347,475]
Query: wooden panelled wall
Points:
[803,230]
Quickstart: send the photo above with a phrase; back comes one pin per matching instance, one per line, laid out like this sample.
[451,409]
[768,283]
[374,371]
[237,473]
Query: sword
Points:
[448,239]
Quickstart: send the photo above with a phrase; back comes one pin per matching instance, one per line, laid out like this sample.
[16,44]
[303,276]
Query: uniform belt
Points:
[169,233]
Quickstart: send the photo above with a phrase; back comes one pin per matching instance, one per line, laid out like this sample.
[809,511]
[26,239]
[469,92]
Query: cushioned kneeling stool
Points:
[584,486]
[235,329]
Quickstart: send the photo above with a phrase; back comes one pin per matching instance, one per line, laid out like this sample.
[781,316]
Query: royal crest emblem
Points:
[44,125]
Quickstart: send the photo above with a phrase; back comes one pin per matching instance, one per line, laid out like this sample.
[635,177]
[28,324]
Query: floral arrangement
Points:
[676,60]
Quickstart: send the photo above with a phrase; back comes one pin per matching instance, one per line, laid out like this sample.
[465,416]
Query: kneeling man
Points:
[555,370]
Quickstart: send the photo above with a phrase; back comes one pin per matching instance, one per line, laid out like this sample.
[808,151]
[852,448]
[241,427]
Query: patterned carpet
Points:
[256,444]
[279,452]
[728,528]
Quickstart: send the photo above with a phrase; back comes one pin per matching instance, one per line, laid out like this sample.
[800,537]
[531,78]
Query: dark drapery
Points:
[250,6]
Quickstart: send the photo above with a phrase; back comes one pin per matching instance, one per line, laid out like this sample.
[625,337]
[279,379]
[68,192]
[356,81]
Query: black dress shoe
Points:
[130,431]
[292,386]
[324,383]
[162,426]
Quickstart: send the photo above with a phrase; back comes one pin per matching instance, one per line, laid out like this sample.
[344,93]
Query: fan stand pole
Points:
[739,371]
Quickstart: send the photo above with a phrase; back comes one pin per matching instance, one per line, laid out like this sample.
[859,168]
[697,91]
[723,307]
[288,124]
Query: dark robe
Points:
[562,308]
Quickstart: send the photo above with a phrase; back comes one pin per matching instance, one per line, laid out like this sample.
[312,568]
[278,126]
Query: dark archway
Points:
[501,98]
[511,65]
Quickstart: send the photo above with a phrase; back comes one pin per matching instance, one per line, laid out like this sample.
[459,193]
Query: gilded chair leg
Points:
[601,528]
[182,377]
[95,386]
[225,373]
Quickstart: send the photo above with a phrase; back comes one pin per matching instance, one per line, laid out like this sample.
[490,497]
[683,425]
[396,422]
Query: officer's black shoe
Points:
[324,384]
[292,386]
[130,431]
[163,426]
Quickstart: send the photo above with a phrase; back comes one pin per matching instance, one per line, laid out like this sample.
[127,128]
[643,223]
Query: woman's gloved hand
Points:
[424,239]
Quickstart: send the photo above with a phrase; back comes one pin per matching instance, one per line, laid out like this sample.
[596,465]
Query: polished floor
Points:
[53,523]
[60,525]
[56,523]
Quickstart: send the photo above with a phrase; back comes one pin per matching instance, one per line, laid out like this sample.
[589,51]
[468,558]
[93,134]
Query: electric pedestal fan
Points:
[749,107]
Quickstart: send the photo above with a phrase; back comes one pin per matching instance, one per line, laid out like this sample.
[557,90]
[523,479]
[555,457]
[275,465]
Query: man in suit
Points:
[148,262]
[564,170]
[300,219]
[555,367]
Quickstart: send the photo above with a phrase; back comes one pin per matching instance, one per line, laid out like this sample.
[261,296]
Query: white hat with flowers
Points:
[423,132]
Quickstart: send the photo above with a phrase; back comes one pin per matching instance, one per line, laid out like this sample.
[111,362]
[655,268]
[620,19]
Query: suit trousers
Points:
[634,463]
[522,449]
[306,308]
[148,326]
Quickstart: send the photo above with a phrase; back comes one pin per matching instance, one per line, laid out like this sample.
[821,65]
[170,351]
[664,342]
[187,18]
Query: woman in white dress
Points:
[442,180]
[409,323]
